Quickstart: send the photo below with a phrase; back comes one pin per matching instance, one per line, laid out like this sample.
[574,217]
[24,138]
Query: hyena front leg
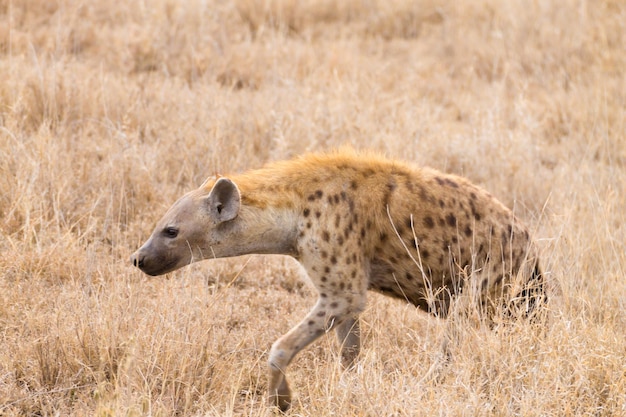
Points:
[326,315]
[349,335]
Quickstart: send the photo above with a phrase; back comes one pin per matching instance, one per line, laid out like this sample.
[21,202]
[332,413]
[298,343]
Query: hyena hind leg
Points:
[349,336]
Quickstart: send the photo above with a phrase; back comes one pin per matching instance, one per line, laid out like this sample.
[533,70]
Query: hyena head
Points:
[191,230]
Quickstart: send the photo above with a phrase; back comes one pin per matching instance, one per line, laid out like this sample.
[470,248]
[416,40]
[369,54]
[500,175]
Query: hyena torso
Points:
[356,223]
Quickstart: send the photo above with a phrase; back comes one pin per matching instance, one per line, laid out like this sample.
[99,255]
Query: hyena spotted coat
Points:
[356,222]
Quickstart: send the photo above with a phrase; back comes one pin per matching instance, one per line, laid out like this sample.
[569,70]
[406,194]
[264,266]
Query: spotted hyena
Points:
[356,222]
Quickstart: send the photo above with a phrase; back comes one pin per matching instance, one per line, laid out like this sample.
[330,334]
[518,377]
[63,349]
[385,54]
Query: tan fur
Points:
[356,222]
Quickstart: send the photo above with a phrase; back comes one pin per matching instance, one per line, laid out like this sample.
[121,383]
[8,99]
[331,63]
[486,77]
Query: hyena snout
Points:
[147,266]
[155,262]
[137,260]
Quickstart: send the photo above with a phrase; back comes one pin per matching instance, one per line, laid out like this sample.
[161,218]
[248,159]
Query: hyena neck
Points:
[266,230]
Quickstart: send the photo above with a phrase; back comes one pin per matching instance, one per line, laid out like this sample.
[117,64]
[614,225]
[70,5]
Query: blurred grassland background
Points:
[110,110]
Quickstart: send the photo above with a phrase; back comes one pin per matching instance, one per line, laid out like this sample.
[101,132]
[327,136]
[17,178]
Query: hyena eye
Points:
[170,232]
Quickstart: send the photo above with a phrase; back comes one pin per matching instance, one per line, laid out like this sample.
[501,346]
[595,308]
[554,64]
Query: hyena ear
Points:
[224,200]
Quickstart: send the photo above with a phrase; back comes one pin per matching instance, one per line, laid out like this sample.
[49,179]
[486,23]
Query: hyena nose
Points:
[137,260]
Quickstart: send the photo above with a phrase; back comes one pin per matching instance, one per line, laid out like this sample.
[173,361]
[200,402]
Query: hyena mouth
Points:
[159,269]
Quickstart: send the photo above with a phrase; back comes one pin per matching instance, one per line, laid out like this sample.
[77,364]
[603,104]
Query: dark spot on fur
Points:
[387,196]
[308,225]
[340,240]
[428,222]
[451,183]
[334,304]
[383,236]
[342,286]
[440,181]
[337,220]
[353,185]
[321,314]
[324,254]
[362,232]
[442,222]
[325,236]
[409,276]
[468,231]
[424,195]
[333,259]
[336,198]
[327,269]
[330,200]
[306,212]
[353,273]
[454,239]
[318,214]
[451,220]
[424,253]
[442,204]
[319,193]
[311,322]
[475,212]
[311,197]
[323,295]
[344,196]
[324,279]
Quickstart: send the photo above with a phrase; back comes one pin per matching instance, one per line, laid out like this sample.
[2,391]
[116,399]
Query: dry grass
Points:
[110,110]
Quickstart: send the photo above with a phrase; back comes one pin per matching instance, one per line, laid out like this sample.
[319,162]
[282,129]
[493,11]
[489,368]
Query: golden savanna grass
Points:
[110,110]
